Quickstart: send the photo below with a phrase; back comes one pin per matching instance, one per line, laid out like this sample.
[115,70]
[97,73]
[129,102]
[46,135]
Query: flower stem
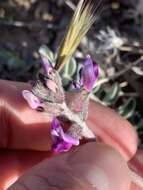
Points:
[86,132]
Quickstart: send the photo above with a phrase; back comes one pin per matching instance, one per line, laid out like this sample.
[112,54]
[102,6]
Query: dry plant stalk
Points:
[85,15]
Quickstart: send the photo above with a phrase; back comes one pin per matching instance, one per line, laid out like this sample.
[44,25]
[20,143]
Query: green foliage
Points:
[45,51]
[128,108]
[11,60]
[109,95]
[70,69]
[12,66]
[65,81]
[112,94]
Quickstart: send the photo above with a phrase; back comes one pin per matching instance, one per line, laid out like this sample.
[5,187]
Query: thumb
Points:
[89,167]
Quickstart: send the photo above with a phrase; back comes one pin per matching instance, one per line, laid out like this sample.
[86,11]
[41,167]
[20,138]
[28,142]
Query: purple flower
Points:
[89,74]
[46,64]
[75,86]
[62,142]
[45,60]
[31,99]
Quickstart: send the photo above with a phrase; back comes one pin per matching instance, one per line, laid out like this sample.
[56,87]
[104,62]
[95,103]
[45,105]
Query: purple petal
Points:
[54,133]
[69,139]
[90,74]
[96,70]
[31,99]
[62,147]
[74,86]
[58,131]
[55,123]
[46,64]
[61,140]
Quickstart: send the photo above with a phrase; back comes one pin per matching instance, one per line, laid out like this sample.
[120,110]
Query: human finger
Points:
[91,166]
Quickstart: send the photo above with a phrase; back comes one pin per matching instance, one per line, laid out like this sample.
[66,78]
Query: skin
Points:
[27,163]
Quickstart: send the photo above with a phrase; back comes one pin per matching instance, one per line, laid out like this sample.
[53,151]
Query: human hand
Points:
[94,163]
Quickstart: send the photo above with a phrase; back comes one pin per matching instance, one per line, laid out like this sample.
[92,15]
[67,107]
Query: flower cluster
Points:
[62,141]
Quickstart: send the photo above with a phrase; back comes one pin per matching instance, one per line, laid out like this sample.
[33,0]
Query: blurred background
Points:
[115,42]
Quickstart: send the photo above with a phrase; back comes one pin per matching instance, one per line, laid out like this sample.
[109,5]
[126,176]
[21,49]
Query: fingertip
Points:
[113,129]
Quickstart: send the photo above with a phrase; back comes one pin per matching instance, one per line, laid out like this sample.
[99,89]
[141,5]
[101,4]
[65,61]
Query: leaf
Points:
[96,89]
[128,109]
[46,52]
[137,121]
[65,82]
[70,69]
[138,70]
[112,94]
[11,60]
[101,93]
